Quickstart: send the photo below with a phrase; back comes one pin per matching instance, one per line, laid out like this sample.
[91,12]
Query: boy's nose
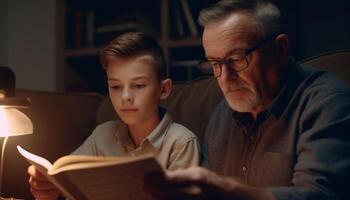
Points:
[127,97]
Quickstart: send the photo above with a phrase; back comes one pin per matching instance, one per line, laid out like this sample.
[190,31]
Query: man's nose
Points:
[228,72]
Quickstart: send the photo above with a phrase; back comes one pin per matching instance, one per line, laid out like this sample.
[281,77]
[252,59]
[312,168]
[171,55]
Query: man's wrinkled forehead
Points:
[233,24]
[237,31]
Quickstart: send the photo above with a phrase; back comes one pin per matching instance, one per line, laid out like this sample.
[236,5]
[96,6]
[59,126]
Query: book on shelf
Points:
[90,28]
[178,22]
[176,19]
[189,18]
[124,23]
[121,27]
[80,29]
[92,177]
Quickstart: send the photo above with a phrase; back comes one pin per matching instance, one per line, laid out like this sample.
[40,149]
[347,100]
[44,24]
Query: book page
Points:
[40,163]
[91,177]
[112,180]
[72,162]
[43,166]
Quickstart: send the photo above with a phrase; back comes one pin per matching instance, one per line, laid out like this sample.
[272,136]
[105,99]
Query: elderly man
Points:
[282,130]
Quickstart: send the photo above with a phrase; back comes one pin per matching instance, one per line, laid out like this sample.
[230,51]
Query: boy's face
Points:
[134,90]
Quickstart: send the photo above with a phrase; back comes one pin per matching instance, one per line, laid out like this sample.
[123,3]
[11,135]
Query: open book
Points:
[91,177]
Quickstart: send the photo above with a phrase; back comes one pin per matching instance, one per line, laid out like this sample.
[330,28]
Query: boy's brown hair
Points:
[132,45]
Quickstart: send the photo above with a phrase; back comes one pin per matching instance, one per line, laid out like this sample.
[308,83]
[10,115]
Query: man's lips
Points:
[233,90]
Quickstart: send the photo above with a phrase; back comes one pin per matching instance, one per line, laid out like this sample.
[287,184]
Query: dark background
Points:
[32,43]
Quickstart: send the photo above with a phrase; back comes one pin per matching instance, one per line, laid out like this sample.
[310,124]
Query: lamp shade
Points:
[13,122]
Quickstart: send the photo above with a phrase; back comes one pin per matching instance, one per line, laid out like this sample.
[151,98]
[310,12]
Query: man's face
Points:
[251,89]
[134,90]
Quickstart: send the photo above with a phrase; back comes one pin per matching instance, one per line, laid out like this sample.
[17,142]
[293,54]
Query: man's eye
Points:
[214,63]
[237,57]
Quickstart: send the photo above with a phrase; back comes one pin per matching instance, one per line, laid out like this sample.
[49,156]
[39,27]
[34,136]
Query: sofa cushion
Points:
[336,62]
[191,104]
[106,111]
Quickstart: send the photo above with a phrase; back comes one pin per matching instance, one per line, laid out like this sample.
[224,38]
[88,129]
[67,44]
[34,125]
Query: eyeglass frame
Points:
[224,60]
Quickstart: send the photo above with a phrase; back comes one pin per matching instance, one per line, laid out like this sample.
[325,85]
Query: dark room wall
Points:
[28,42]
[28,28]
[325,26]
[3,33]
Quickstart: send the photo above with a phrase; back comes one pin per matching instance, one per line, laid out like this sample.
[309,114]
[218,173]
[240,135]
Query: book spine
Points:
[78,29]
[189,18]
[90,28]
[179,24]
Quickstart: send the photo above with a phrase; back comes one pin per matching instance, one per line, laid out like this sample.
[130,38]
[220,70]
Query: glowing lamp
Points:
[12,121]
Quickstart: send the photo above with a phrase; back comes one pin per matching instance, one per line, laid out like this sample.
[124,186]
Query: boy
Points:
[136,71]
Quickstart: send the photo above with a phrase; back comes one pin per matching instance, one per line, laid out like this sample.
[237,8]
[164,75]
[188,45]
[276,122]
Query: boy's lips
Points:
[128,109]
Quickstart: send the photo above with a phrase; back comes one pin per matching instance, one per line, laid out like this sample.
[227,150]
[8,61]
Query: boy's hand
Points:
[41,188]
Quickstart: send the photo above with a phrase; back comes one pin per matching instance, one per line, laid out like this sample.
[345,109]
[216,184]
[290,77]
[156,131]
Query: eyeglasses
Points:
[236,60]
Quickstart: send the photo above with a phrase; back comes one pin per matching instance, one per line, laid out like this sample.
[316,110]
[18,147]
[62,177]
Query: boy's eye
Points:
[139,86]
[115,87]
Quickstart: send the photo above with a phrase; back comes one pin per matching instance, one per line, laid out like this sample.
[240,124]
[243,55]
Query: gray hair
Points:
[267,15]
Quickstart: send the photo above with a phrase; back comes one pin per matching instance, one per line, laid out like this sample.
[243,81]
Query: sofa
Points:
[62,121]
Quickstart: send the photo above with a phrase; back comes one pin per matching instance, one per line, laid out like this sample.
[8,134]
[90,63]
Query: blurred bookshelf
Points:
[88,25]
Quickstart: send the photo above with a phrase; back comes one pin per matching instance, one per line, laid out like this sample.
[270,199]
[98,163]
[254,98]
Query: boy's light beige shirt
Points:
[176,146]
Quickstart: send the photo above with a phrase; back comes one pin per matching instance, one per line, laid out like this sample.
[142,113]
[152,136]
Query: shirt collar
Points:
[280,102]
[293,79]
[123,137]
[157,135]
[246,121]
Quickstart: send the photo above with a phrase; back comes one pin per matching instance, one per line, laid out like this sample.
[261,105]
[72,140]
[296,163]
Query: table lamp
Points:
[12,121]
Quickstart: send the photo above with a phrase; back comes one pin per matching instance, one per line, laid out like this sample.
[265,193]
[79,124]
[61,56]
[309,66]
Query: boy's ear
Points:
[166,87]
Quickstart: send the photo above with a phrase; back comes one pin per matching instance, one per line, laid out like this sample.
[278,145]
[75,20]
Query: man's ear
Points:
[282,43]
[166,87]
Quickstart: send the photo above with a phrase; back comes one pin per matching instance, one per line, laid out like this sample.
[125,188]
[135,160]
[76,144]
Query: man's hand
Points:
[41,188]
[199,183]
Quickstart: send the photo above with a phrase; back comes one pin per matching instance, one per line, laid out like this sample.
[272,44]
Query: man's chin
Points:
[236,95]
[240,104]
[240,108]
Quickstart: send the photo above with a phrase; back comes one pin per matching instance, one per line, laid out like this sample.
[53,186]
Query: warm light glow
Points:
[13,122]
[4,130]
